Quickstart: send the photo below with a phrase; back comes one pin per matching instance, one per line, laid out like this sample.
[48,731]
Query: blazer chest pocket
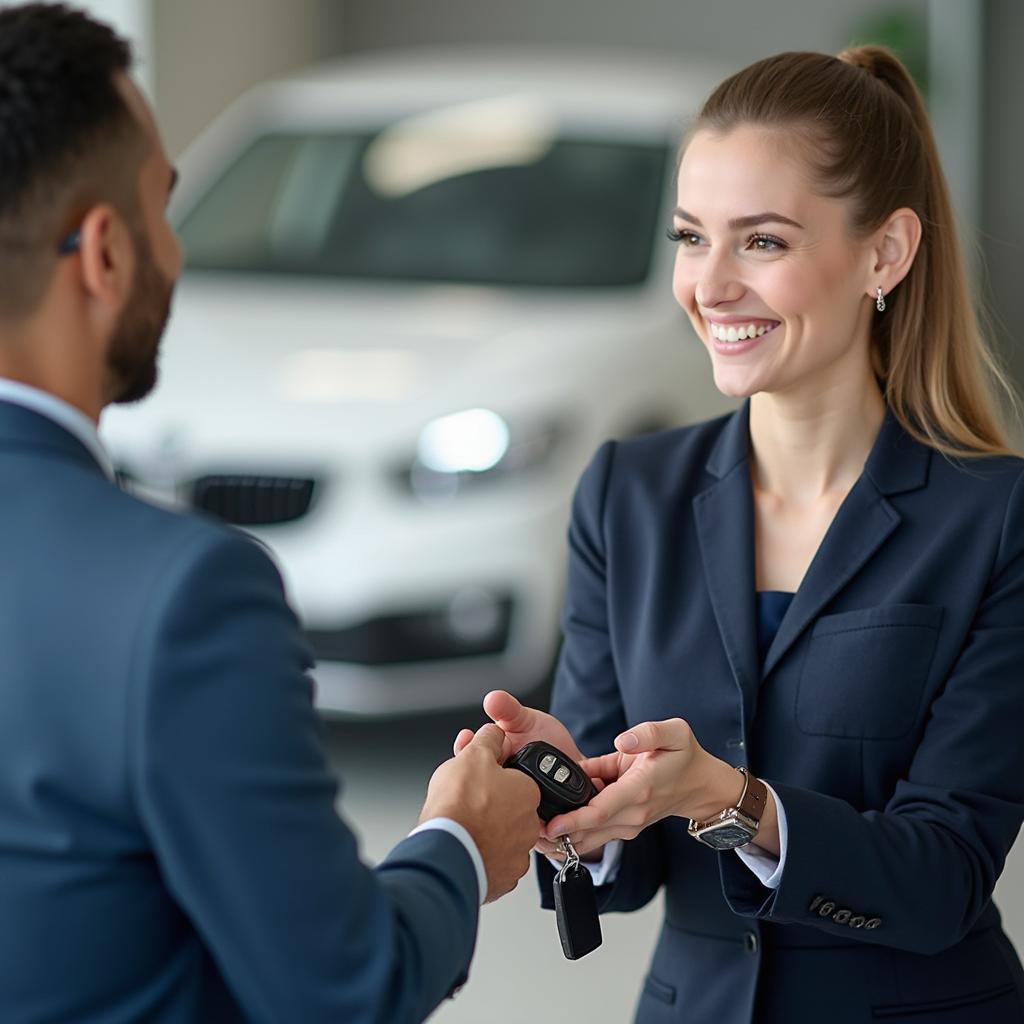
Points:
[864,671]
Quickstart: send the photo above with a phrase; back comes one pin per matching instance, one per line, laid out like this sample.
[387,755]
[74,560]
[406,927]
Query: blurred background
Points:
[426,276]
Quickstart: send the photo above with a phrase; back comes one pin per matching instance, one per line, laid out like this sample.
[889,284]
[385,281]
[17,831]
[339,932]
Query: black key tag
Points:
[579,927]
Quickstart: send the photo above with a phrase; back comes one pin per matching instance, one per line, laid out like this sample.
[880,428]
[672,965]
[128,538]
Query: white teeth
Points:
[723,333]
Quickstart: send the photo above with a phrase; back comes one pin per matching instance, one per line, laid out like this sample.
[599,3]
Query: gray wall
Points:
[205,54]
[736,31]
[1002,199]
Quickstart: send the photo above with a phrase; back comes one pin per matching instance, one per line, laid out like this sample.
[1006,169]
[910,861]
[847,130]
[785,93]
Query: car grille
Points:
[253,500]
[416,637]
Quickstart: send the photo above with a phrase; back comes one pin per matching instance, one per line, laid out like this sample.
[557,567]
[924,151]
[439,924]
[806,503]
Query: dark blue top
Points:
[771,608]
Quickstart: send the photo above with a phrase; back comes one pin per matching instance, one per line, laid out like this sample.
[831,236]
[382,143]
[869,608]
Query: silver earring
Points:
[880,301]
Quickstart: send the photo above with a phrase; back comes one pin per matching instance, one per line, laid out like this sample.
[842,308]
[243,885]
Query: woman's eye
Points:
[684,237]
[765,243]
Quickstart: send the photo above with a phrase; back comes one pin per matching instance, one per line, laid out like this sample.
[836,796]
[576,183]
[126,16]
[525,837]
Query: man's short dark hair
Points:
[62,117]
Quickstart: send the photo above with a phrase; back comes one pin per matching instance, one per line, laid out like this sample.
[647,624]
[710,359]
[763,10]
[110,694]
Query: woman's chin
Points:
[736,385]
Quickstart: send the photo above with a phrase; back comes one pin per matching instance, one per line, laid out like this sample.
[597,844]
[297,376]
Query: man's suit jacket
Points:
[169,847]
[888,716]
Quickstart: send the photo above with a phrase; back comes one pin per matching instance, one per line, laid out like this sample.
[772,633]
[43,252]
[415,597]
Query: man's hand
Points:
[496,806]
[523,725]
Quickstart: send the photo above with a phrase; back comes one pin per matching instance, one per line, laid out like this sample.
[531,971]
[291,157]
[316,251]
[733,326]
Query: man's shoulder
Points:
[155,546]
[153,526]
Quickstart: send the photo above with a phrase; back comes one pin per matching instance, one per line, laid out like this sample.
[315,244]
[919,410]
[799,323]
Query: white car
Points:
[420,291]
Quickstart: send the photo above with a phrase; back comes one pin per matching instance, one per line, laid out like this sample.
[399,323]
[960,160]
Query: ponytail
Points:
[868,138]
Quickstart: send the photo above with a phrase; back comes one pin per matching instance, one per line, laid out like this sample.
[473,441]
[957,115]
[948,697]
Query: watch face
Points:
[726,836]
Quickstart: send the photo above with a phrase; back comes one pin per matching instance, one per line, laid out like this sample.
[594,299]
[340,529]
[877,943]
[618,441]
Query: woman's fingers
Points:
[607,767]
[672,734]
[463,740]
[601,811]
[588,842]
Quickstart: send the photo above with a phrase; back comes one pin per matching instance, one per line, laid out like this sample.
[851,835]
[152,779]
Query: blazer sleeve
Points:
[586,693]
[918,874]
[233,789]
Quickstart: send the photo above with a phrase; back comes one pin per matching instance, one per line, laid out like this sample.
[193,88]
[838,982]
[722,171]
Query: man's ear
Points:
[896,245]
[107,259]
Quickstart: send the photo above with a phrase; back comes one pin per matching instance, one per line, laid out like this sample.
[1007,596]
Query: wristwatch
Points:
[735,826]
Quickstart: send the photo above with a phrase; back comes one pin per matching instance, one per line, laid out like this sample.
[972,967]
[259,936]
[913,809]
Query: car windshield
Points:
[522,211]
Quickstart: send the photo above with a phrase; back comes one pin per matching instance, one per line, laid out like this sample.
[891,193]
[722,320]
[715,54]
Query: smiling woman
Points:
[825,589]
[857,201]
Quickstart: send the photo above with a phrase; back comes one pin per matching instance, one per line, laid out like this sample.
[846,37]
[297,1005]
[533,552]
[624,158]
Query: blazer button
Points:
[750,942]
[842,916]
[872,923]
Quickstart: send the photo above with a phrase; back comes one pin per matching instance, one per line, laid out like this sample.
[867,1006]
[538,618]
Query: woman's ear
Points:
[895,245]
[107,260]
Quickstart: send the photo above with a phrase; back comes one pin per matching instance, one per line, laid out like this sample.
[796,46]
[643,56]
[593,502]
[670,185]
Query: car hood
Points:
[260,366]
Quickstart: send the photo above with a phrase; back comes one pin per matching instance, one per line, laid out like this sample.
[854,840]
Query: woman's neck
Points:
[805,448]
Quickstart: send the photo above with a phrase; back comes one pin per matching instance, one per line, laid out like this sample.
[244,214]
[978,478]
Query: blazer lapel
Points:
[897,463]
[725,528]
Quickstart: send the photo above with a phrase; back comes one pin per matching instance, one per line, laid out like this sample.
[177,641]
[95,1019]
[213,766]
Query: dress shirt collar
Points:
[73,420]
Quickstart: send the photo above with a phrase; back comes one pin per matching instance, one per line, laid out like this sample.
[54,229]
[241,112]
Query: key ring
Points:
[572,858]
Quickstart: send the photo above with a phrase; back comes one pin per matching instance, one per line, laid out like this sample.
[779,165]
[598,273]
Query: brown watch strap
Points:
[755,796]
[751,803]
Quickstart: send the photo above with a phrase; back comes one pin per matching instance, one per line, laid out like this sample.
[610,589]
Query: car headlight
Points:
[476,446]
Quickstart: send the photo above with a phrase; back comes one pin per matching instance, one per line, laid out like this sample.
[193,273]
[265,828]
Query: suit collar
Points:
[897,462]
[733,444]
[21,427]
[725,525]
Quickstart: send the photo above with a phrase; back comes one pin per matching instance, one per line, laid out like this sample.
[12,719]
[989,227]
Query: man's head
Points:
[80,159]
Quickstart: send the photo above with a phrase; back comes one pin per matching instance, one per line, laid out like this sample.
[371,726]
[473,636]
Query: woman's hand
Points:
[658,769]
[523,725]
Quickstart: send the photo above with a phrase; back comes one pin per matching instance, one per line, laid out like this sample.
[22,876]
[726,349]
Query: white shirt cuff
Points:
[605,870]
[766,866]
[455,829]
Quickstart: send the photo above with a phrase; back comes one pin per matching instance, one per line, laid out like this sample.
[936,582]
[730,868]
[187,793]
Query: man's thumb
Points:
[490,738]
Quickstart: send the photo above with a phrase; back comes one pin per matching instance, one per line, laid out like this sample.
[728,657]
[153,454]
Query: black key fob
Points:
[564,787]
[579,927]
[563,784]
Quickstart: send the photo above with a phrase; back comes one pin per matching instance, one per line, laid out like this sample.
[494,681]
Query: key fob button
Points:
[562,774]
[547,762]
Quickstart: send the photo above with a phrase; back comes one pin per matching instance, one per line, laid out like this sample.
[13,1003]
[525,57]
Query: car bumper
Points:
[434,617]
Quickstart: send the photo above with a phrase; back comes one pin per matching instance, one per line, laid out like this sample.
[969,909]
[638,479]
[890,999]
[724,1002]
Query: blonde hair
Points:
[867,137]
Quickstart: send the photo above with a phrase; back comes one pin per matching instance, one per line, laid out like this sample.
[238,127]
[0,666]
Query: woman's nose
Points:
[718,283]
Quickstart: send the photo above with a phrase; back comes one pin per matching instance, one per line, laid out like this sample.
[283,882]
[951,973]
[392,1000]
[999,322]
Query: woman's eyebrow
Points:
[744,222]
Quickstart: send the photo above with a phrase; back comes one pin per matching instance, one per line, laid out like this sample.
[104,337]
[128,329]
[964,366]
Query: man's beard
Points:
[135,344]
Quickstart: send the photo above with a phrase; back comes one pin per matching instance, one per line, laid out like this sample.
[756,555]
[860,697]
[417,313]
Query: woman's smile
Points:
[734,335]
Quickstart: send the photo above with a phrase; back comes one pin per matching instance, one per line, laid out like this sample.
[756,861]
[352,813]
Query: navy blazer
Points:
[888,716]
[169,847]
